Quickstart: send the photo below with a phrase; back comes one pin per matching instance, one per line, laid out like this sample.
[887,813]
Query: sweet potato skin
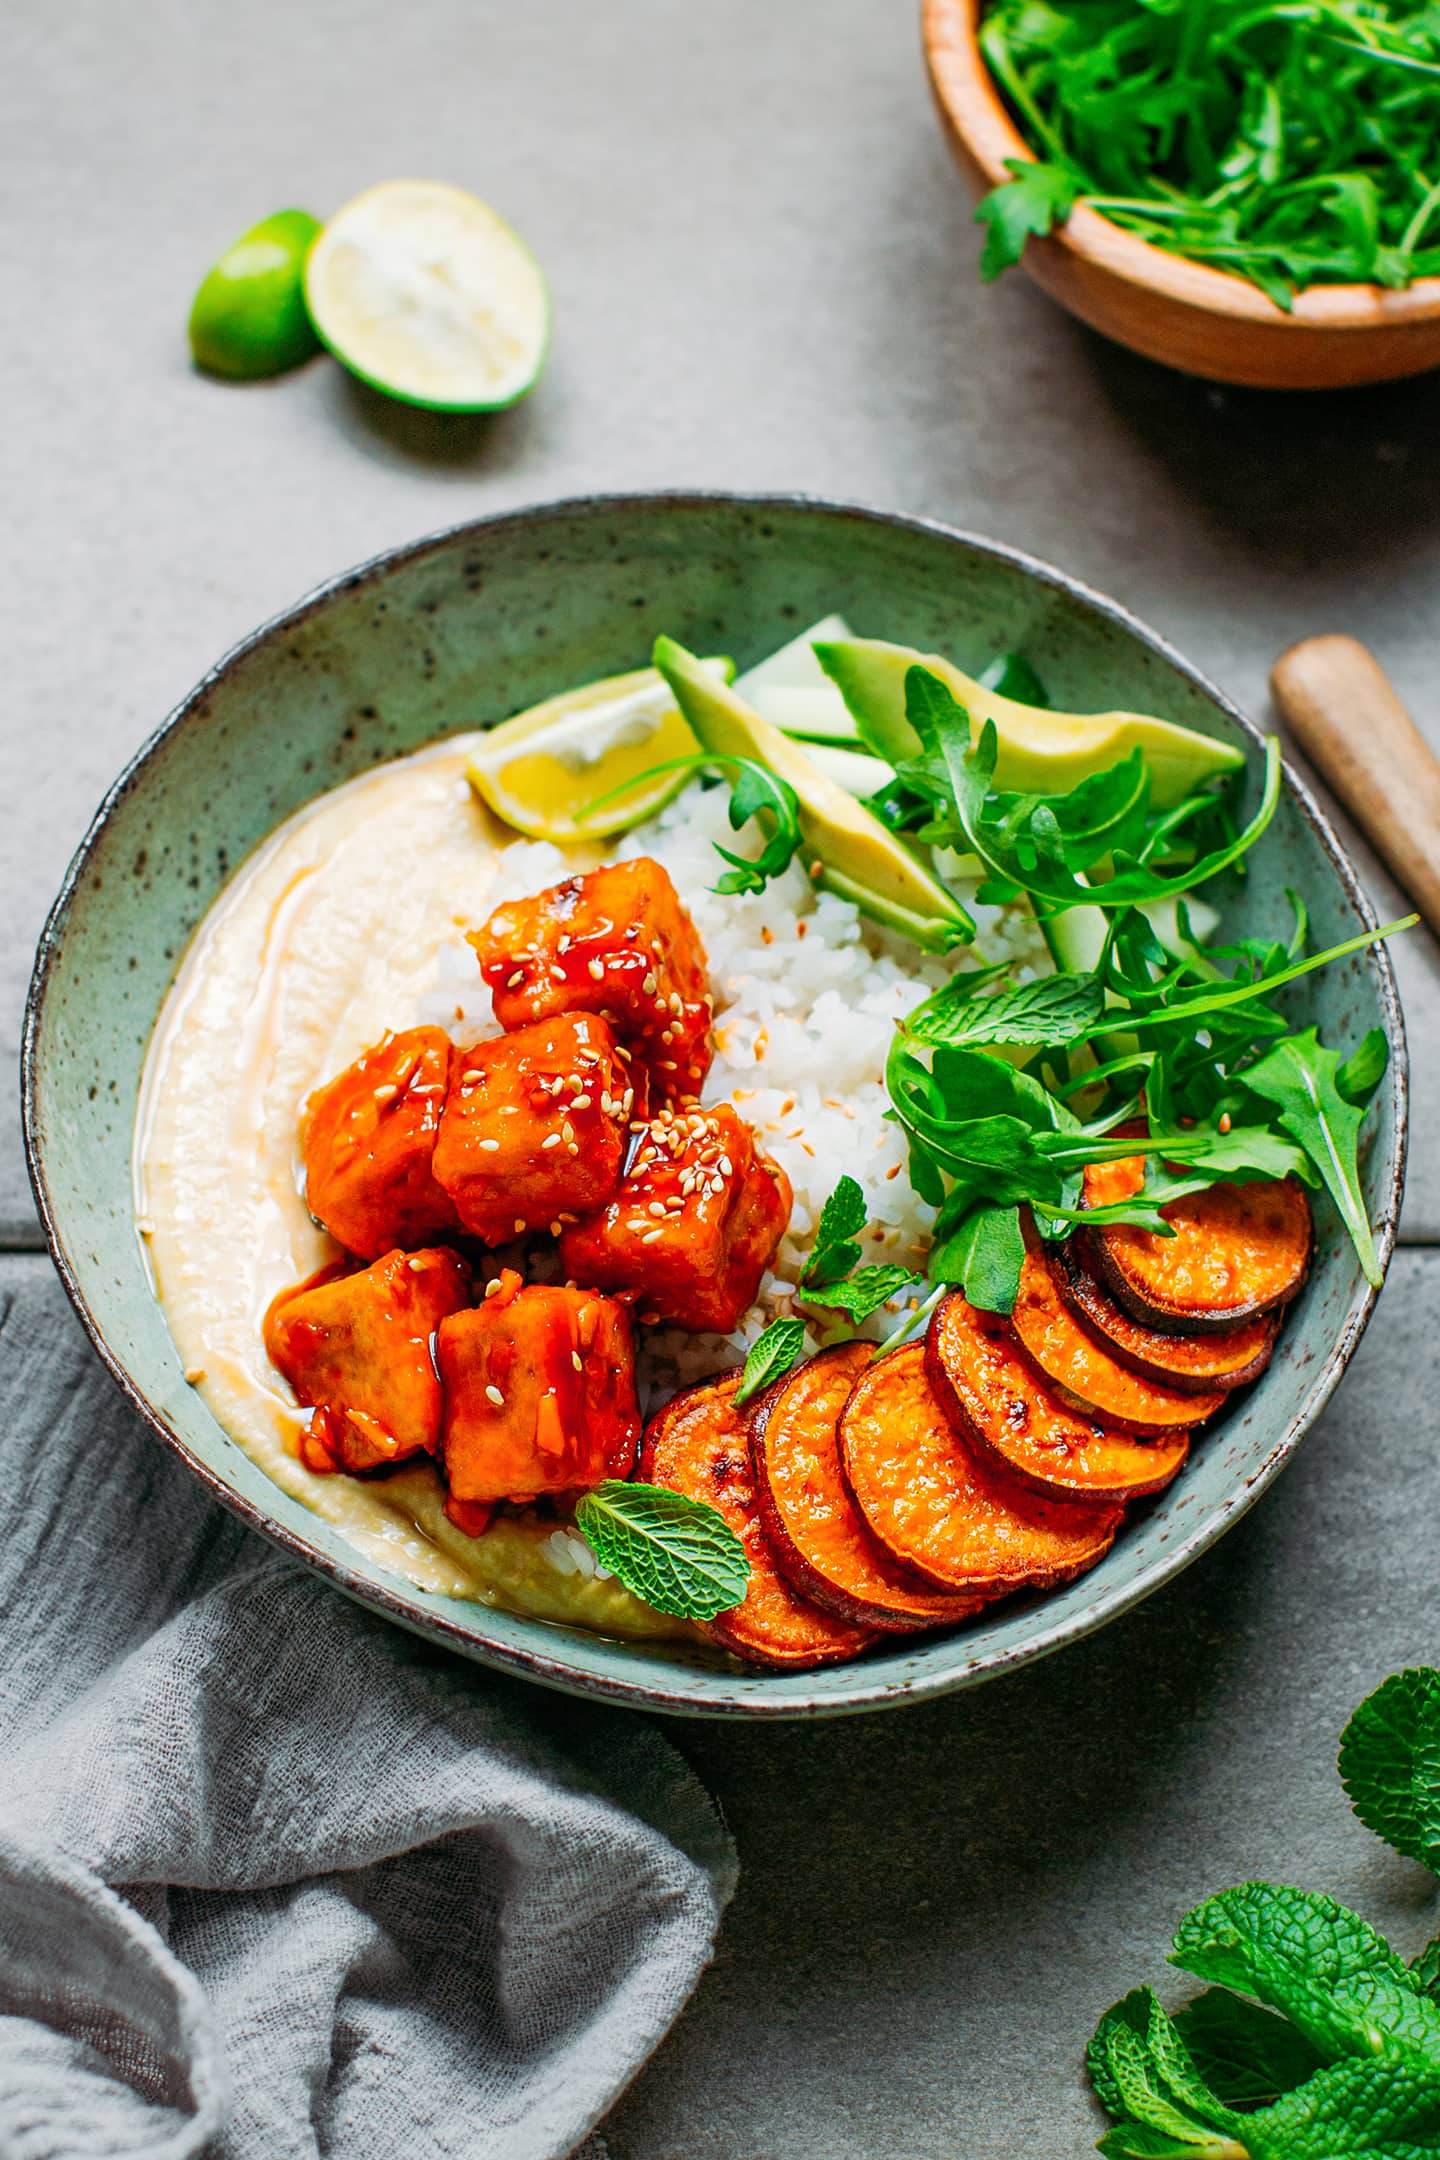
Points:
[1239,1251]
[699,1444]
[820,1540]
[940,1507]
[1017,1422]
[1191,1364]
[1082,1371]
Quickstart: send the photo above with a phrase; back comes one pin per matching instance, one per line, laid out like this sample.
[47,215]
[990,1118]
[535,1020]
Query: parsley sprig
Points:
[1293,142]
[1316,2039]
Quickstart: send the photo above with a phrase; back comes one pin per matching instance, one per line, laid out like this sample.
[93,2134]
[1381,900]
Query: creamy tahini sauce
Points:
[323,939]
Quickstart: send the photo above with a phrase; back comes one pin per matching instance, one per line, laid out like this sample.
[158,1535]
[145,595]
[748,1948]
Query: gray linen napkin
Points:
[275,1878]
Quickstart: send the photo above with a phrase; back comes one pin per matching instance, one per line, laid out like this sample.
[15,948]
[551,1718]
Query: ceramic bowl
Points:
[1183,313]
[466,628]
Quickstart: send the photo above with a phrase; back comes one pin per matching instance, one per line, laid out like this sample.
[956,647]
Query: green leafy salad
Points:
[1008,1090]
[1293,144]
[1315,2040]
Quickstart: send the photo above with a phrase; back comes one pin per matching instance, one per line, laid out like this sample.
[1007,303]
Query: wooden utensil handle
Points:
[1342,710]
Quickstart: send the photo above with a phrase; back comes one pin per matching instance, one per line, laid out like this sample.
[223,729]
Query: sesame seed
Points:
[519,1225]
[575,1361]
[551,1140]
[557,974]
[490,1147]
[581,1102]
[650,1236]
[597,971]
[556,1228]
[648,984]
[567,1130]
[657,1207]
[493,1394]
[416,1264]
[383,1094]
[517,978]
[492,1287]
[727,1168]
[194,1374]
[574,1146]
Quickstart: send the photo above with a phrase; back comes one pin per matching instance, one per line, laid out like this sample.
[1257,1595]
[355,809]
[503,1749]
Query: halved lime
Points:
[544,771]
[424,293]
[249,318]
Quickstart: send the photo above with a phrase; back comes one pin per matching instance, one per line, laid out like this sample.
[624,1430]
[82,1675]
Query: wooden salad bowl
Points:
[1203,321]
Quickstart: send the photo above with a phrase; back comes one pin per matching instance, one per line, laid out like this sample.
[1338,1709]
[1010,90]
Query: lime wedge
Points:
[248,318]
[424,293]
[544,771]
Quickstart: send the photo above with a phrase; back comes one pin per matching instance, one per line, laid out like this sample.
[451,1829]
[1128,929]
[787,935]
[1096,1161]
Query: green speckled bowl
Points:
[467,628]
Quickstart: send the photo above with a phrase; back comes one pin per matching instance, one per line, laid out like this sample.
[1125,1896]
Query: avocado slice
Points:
[1039,752]
[849,851]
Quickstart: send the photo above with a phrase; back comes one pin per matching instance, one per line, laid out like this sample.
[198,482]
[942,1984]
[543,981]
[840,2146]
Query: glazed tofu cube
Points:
[357,1347]
[539,1388]
[368,1140]
[694,1225]
[616,942]
[534,1129]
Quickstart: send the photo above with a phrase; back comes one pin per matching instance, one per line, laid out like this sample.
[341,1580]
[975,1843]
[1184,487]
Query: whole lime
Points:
[249,317]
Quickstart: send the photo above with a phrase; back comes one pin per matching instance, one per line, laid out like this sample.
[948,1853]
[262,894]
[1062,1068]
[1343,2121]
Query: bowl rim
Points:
[668,1694]
[970,102]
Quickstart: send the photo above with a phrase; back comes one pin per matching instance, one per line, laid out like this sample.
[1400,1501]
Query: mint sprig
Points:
[1343,2060]
[772,1353]
[677,1554]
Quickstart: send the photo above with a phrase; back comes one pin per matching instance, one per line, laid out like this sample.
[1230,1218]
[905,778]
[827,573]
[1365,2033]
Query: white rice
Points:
[807,993]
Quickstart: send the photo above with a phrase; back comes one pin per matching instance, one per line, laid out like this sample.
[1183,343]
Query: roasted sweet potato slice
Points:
[1191,1364]
[699,1444]
[1238,1251]
[1082,1372]
[933,1502]
[820,1539]
[1017,1421]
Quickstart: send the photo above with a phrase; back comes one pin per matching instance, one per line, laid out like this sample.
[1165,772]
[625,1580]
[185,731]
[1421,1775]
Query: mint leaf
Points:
[1354,2110]
[1039,196]
[842,1218]
[984,1255]
[1325,1968]
[678,1554]
[1056,1010]
[862,1293]
[771,1354]
[1246,2055]
[1143,2075]
[1390,1763]
[1300,1077]
[1425,1969]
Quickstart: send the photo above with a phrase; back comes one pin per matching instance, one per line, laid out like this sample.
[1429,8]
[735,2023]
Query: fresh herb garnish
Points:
[1294,145]
[1302,1079]
[1331,2045]
[772,1353]
[755,792]
[832,1277]
[679,1555]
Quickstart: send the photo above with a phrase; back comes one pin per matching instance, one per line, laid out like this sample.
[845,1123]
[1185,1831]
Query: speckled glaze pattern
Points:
[470,626]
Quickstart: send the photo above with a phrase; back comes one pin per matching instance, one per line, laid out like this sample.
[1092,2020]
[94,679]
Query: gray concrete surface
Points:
[764,276]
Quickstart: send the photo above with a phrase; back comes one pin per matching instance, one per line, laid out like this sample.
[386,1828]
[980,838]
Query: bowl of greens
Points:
[986,876]
[1246,193]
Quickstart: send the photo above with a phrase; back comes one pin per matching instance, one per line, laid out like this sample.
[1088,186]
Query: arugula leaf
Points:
[1056,1010]
[772,1353]
[1248,2056]
[755,792]
[983,1254]
[679,1555]
[1325,1968]
[1390,1763]
[1039,196]
[1012,675]
[1364,1069]
[862,1293]
[1300,1077]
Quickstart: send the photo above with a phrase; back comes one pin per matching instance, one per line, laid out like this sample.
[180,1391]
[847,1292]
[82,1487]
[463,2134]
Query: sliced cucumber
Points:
[791,690]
